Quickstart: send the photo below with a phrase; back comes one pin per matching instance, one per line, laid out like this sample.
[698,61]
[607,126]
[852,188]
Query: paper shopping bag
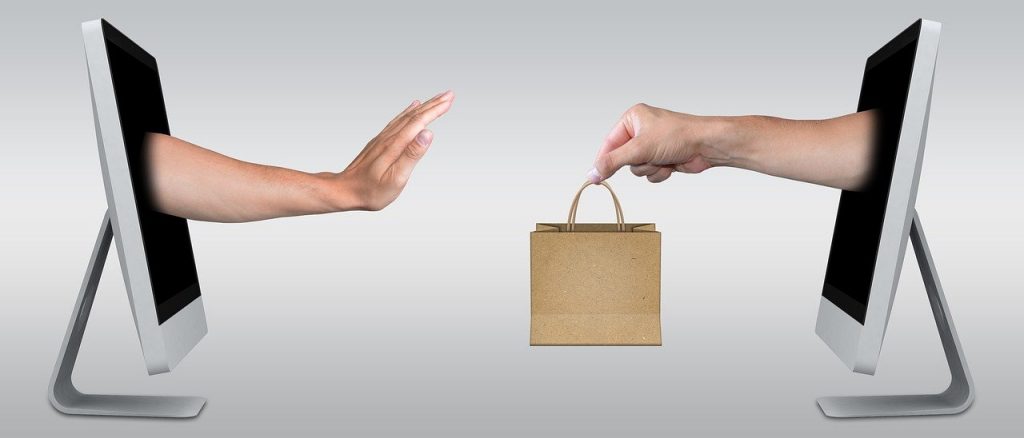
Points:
[595,284]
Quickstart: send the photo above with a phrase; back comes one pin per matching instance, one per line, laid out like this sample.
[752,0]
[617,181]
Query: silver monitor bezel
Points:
[858,346]
[163,345]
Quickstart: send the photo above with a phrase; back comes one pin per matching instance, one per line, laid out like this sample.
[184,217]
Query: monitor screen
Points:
[166,240]
[858,229]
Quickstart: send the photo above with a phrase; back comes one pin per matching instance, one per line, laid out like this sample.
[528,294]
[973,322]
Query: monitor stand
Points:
[63,394]
[960,393]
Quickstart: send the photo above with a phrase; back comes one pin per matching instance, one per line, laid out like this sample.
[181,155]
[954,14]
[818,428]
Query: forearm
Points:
[834,152]
[195,183]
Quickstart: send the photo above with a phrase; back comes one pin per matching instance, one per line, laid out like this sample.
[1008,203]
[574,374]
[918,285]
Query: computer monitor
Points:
[873,226]
[155,249]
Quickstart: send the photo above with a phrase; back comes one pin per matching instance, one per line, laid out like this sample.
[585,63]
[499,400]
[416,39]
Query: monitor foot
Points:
[66,398]
[960,393]
[159,406]
[892,405]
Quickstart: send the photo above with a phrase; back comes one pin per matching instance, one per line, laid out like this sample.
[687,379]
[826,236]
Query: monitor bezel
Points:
[163,345]
[857,345]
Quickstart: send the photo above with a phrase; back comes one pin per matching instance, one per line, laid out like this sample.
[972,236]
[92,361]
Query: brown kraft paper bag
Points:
[595,284]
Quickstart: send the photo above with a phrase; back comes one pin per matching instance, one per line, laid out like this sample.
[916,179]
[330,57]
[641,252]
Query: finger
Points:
[609,163]
[415,103]
[661,175]
[441,95]
[415,113]
[692,166]
[372,145]
[402,119]
[420,118]
[411,155]
[402,132]
[433,102]
[644,169]
[619,135]
[399,116]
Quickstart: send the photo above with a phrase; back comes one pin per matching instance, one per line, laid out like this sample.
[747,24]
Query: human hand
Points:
[655,142]
[378,174]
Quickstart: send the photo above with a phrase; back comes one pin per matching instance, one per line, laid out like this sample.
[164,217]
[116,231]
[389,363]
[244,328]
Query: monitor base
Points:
[960,393]
[66,398]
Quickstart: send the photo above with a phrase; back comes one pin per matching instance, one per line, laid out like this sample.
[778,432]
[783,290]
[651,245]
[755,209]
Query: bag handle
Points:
[571,223]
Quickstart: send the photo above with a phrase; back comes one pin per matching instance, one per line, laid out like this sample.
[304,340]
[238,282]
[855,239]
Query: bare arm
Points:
[196,183]
[655,143]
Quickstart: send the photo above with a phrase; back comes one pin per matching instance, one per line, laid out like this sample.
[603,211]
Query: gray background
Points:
[415,320]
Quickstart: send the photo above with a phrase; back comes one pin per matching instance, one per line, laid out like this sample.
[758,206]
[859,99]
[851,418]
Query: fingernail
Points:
[594,176]
[423,138]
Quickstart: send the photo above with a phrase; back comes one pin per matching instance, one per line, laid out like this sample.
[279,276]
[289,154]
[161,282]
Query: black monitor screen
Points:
[858,230]
[166,241]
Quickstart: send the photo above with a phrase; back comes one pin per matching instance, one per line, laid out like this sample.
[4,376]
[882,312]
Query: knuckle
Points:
[415,151]
[602,165]
[640,107]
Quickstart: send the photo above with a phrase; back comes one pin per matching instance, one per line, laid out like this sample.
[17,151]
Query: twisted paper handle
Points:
[576,203]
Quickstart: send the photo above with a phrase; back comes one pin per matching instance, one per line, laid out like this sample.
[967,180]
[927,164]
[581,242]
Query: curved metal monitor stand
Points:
[66,398]
[960,393]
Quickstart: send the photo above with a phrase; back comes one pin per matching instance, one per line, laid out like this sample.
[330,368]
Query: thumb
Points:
[412,154]
[609,162]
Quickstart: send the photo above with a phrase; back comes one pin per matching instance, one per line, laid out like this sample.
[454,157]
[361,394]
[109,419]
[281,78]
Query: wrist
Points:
[337,192]
[726,140]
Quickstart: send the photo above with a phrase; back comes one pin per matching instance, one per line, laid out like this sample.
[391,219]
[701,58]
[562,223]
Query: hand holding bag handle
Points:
[571,223]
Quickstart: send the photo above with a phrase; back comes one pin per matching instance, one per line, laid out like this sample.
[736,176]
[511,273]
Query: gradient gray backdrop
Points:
[415,320]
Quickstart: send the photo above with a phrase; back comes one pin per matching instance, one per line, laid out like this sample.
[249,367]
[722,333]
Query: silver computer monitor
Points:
[873,226]
[155,249]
